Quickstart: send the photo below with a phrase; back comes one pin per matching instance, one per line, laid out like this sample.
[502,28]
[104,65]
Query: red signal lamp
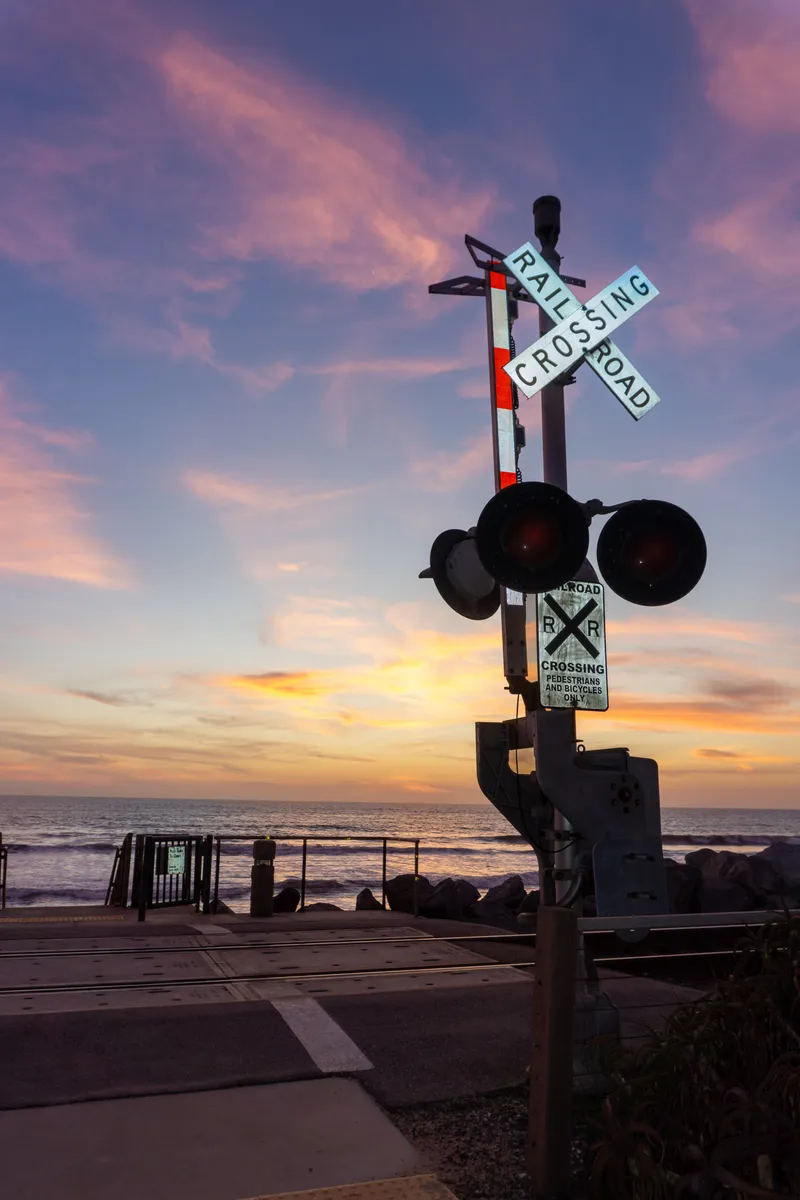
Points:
[532,537]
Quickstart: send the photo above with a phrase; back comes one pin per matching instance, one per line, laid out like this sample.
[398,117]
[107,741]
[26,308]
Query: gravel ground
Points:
[477,1145]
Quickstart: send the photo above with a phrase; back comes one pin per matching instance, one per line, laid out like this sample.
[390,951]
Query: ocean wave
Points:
[53,896]
[727,839]
[396,853]
[36,848]
[285,847]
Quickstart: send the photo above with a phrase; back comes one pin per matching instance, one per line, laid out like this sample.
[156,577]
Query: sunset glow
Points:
[232,420]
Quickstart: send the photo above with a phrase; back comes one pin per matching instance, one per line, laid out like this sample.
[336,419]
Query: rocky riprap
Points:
[708,881]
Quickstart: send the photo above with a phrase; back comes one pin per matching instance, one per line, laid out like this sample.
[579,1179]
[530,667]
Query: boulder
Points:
[531,902]
[493,912]
[760,876]
[700,858]
[683,880]
[714,863]
[323,906]
[365,901]
[785,858]
[720,895]
[286,900]
[511,892]
[450,899]
[400,892]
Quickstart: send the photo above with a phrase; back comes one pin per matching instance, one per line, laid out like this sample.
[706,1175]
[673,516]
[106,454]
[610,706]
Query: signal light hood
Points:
[460,577]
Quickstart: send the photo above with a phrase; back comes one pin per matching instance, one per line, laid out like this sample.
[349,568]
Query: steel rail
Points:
[510,937]
[316,976]
[222,980]
[228,946]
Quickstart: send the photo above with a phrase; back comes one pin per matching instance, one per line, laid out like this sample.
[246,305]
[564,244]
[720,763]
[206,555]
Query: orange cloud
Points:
[652,714]
[44,530]
[303,684]
[679,621]
[312,181]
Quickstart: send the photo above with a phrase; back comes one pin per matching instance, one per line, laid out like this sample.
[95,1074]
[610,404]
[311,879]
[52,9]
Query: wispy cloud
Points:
[311,180]
[225,492]
[107,698]
[390,368]
[44,528]
[752,56]
[448,470]
[711,464]
[271,166]
[731,178]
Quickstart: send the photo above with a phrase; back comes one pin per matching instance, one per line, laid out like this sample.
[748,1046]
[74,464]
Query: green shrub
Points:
[709,1106]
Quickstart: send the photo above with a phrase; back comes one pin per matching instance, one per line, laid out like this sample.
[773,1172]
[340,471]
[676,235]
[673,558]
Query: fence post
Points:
[146,876]
[262,877]
[550,1099]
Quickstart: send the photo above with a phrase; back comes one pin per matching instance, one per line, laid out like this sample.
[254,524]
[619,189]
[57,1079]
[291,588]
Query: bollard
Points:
[262,877]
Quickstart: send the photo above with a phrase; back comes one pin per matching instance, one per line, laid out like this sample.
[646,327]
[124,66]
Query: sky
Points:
[233,420]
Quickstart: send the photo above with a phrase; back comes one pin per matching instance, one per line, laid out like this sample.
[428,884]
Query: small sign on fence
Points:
[170,860]
[176,860]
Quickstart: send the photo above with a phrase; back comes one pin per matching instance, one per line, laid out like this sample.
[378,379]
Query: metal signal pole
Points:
[547,227]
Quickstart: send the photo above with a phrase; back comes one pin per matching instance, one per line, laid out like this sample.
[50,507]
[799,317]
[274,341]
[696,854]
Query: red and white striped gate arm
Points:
[505,451]
[512,604]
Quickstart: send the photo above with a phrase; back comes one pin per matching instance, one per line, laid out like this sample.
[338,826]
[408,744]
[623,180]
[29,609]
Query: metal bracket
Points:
[462,285]
[596,508]
[612,800]
[518,797]
[495,261]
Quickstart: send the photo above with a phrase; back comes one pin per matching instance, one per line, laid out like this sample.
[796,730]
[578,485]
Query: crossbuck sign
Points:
[581,331]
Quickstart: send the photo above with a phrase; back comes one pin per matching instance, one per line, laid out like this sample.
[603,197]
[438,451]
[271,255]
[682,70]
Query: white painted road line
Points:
[323,1040]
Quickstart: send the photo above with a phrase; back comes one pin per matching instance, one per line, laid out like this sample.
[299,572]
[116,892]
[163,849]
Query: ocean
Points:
[61,849]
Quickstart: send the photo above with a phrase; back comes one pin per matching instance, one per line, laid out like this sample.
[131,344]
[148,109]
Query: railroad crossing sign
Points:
[571,636]
[581,331]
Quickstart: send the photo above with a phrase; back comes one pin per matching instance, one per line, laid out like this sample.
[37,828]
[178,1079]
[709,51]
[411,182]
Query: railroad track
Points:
[658,955]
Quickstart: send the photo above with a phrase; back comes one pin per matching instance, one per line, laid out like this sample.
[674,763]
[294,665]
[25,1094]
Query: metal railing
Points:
[306,838]
[173,870]
[3,871]
[140,875]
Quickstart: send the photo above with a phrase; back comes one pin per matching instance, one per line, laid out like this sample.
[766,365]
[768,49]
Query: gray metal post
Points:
[547,226]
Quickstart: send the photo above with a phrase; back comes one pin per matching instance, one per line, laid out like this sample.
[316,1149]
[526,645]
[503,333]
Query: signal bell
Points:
[460,577]
[651,552]
[532,537]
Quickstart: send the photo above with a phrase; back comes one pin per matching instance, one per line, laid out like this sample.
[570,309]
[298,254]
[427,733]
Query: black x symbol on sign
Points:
[571,626]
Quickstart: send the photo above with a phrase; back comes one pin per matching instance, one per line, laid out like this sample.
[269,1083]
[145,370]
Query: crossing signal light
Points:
[460,577]
[532,537]
[651,552]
